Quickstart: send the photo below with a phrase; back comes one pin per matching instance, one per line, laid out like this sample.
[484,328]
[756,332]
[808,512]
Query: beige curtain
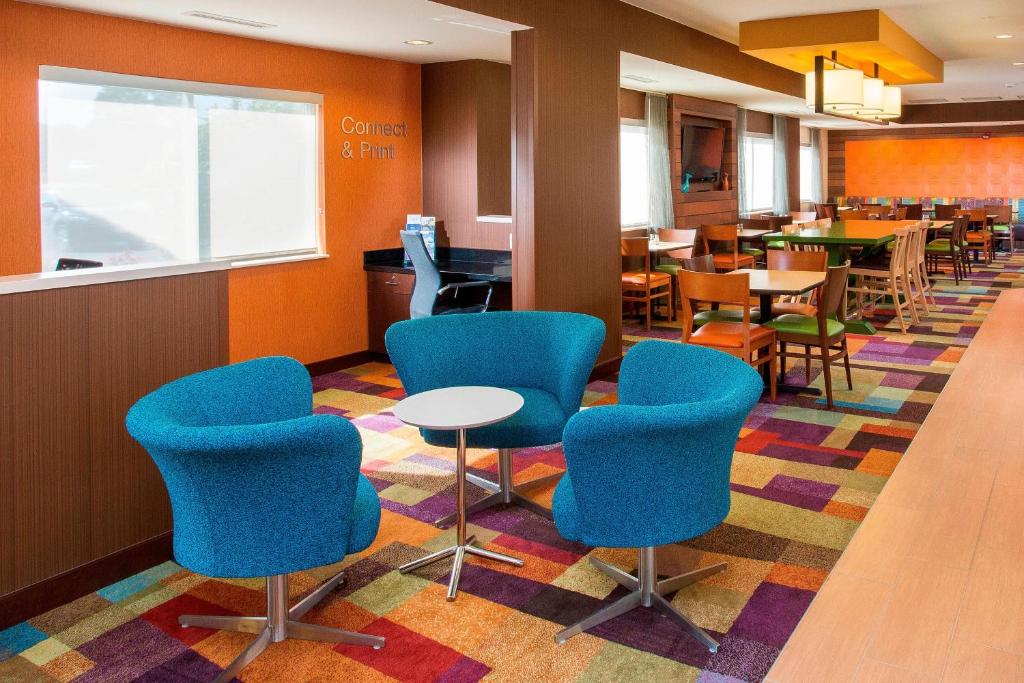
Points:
[662,214]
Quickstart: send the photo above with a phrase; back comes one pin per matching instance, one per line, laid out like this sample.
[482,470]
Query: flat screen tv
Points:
[702,151]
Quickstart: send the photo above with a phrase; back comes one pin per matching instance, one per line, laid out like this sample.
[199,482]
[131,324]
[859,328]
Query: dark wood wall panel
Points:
[77,487]
[467,150]
[696,208]
[837,143]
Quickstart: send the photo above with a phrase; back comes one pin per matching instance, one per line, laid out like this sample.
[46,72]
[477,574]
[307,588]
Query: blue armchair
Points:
[545,357]
[654,469]
[259,487]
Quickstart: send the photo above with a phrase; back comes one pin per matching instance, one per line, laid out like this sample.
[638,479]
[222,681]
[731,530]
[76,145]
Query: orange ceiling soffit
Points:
[860,38]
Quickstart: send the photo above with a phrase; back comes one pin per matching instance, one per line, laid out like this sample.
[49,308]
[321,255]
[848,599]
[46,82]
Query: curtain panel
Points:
[742,181]
[659,174]
[780,202]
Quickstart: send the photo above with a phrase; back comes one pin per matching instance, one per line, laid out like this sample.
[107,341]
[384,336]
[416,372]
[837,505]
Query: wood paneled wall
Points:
[837,144]
[632,104]
[76,486]
[467,150]
[693,209]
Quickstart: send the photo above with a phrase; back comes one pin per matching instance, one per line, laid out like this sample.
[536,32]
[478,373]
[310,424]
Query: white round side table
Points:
[458,409]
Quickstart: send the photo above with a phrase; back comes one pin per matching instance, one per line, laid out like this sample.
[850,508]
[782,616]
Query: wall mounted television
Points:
[703,149]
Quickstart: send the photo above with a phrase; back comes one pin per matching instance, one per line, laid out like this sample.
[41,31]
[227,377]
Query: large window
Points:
[806,174]
[140,170]
[759,170]
[636,205]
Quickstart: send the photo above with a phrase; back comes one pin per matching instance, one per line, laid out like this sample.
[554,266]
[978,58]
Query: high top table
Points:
[458,409]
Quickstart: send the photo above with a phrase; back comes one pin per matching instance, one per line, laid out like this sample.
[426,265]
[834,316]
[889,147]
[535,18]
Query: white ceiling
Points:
[958,32]
[378,28]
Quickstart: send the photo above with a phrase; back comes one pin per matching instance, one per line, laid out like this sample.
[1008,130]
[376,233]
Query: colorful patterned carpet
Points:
[803,478]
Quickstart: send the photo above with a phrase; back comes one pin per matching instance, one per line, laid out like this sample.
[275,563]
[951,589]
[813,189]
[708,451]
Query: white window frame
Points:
[104,78]
[638,123]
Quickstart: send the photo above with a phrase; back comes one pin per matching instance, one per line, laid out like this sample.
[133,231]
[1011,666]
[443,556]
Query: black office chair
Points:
[427,292]
[77,264]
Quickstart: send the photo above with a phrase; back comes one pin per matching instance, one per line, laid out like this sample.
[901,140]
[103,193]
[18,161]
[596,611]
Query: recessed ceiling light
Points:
[419,42]
[1004,36]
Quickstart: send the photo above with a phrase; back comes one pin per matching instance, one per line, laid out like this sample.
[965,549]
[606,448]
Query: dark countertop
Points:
[474,264]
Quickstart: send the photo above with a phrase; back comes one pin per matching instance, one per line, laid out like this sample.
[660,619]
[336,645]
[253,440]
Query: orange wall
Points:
[312,310]
[938,167]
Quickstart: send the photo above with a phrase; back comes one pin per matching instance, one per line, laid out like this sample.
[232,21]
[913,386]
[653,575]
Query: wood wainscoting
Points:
[76,487]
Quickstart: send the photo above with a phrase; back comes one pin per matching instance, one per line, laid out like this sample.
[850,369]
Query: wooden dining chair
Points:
[919,286]
[899,214]
[824,330]
[723,243]
[826,210]
[685,236]
[946,212]
[754,344]
[874,209]
[1002,225]
[915,212]
[800,304]
[979,234]
[874,284]
[853,215]
[952,248]
[644,286]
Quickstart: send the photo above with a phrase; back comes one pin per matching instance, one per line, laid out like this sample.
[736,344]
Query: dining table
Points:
[768,284]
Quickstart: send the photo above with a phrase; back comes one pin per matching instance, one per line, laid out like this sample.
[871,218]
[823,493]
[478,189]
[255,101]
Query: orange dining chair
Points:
[723,243]
[644,286]
[754,344]
[979,235]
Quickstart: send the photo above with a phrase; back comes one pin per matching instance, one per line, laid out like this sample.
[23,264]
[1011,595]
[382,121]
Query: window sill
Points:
[33,282]
[275,260]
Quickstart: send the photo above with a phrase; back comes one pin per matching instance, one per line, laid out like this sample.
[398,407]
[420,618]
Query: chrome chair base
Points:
[280,624]
[646,591]
[459,551]
[503,492]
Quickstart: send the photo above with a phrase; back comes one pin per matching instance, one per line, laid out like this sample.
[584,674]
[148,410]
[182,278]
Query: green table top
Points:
[852,233]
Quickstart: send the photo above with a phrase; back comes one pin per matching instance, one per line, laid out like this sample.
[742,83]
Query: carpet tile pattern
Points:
[802,480]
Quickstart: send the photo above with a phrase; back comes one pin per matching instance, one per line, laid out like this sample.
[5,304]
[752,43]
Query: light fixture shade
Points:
[809,81]
[892,103]
[844,89]
[874,93]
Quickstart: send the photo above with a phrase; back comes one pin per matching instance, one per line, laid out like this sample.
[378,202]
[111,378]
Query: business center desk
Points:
[389,282]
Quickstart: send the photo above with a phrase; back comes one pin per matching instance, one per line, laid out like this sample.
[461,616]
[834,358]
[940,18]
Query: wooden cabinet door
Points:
[388,297]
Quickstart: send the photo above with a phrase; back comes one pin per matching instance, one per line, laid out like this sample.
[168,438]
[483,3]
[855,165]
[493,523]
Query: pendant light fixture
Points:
[838,90]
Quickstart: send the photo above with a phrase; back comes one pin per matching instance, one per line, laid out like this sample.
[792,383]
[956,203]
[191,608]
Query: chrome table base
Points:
[463,544]
[280,624]
[503,492]
[646,591]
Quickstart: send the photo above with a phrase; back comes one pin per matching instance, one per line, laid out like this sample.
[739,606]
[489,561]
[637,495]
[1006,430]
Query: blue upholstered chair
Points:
[259,487]
[545,357]
[654,469]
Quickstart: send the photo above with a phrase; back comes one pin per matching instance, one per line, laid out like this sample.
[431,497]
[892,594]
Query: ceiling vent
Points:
[639,79]
[930,100]
[228,20]
[980,99]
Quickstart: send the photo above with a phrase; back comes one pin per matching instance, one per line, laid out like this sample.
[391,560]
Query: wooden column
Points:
[566,167]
